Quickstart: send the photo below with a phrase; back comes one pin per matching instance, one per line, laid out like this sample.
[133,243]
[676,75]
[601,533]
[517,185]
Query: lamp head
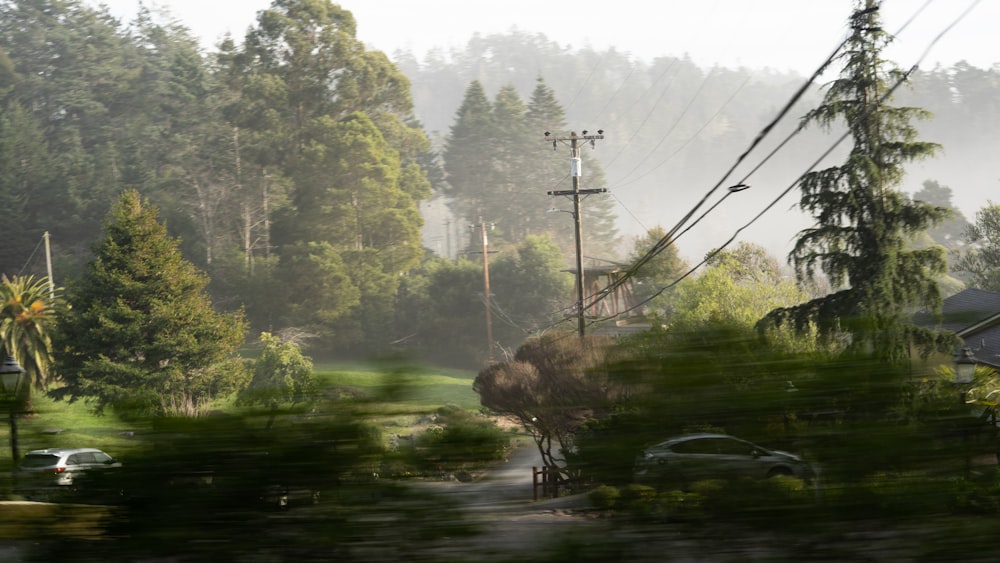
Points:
[10,374]
[965,366]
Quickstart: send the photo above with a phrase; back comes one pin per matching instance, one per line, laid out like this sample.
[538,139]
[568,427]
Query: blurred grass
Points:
[402,396]
[60,424]
[421,388]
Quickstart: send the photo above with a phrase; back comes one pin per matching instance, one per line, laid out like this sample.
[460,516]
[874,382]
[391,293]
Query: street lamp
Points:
[965,366]
[12,375]
[965,373]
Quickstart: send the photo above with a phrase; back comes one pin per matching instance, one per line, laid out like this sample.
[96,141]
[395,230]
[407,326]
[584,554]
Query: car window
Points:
[733,447]
[101,457]
[696,446]
[85,458]
[39,460]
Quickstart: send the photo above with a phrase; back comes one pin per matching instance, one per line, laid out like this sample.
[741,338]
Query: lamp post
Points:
[12,375]
[965,373]
[965,369]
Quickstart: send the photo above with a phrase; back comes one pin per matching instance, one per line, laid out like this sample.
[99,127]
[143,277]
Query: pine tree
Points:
[141,333]
[862,221]
[466,148]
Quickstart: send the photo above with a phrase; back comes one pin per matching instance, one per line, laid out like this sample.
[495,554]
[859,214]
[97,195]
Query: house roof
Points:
[974,315]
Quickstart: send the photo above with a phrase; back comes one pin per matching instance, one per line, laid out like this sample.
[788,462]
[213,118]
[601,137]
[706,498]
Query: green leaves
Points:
[27,317]
[281,374]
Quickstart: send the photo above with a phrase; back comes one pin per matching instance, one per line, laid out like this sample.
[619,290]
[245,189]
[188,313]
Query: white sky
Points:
[780,34]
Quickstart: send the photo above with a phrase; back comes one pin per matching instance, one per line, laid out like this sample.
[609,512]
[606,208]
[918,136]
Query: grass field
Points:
[416,386]
[402,396]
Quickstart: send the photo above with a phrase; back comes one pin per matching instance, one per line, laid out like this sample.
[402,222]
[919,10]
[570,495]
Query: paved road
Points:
[513,525]
[508,485]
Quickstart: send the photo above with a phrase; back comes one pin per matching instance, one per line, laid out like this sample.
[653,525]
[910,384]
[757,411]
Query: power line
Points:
[668,238]
[690,139]
[902,79]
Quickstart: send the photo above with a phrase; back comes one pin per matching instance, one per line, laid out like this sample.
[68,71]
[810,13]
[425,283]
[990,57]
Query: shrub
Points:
[462,439]
[604,497]
[680,506]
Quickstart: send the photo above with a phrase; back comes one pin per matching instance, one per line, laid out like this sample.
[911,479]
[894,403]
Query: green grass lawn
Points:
[402,395]
[59,424]
[416,386]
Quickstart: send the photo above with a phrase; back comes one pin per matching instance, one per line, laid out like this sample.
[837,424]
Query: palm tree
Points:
[27,312]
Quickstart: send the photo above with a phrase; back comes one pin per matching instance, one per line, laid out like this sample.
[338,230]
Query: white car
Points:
[60,466]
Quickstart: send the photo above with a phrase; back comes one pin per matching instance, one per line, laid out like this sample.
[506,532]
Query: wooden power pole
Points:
[576,171]
[486,291]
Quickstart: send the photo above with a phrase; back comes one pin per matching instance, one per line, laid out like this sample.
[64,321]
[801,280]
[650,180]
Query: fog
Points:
[675,133]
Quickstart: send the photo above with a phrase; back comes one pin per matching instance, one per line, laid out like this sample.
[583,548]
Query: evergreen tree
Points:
[982,260]
[350,198]
[517,207]
[142,333]
[25,172]
[465,156]
[862,220]
[499,172]
[75,69]
[547,170]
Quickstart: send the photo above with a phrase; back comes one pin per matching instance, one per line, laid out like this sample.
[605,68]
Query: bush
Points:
[604,497]
[680,506]
[638,499]
[461,440]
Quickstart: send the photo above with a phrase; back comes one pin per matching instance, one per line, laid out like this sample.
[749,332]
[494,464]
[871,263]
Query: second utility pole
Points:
[486,291]
[576,171]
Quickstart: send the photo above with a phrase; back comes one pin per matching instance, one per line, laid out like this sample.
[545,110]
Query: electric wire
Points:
[795,132]
[31,257]
[673,126]
[670,237]
[899,82]
[709,121]
[667,239]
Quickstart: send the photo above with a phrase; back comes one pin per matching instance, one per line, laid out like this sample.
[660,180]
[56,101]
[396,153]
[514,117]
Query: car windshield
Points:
[39,460]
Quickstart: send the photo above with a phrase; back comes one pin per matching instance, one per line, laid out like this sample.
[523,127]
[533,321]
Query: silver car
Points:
[693,457]
[60,466]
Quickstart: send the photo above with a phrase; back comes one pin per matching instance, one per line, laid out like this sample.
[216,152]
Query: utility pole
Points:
[576,171]
[486,291]
[48,266]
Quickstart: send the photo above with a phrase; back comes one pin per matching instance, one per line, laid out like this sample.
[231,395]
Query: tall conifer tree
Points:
[863,221]
[466,150]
